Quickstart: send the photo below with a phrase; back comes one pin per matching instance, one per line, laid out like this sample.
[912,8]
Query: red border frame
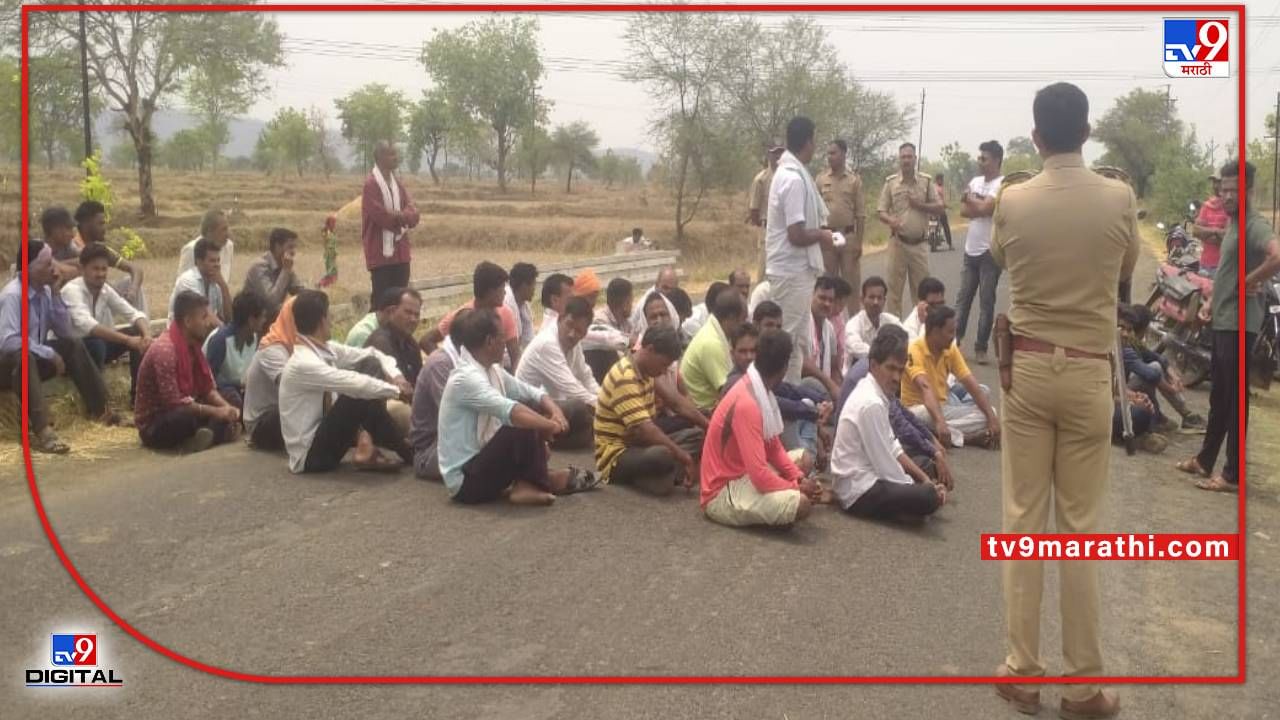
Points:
[1239,678]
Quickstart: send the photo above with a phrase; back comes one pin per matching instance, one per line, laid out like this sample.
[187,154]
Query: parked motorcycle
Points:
[1176,297]
[1264,358]
[935,234]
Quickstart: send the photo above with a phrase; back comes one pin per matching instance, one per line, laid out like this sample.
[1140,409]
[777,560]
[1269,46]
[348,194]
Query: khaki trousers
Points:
[846,262]
[1056,444]
[906,263]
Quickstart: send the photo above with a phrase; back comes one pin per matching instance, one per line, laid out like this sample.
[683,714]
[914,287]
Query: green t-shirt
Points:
[1226,291]
[361,331]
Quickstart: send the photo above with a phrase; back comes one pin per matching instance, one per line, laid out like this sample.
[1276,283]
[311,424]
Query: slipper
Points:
[1217,484]
[49,443]
[1191,466]
[379,463]
[581,480]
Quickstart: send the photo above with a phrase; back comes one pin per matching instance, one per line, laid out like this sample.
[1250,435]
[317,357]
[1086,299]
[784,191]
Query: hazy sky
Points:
[979,71]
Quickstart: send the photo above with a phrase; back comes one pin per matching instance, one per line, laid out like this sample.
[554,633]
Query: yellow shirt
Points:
[1067,236]
[626,398]
[935,368]
[843,195]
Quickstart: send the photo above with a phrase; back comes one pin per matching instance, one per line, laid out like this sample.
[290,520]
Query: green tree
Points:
[1179,176]
[430,121]
[1135,131]
[10,110]
[139,59]
[490,70]
[290,140]
[326,158]
[1020,154]
[573,145]
[532,154]
[630,172]
[187,150]
[123,155]
[231,71]
[958,168]
[371,114]
[55,108]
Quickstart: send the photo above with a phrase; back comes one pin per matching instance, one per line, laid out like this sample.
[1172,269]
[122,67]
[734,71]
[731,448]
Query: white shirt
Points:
[629,245]
[761,292]
[824,343]
[550,319]
[786,208]
[859,332]
[865,448]
[192,280]
[544,365]
[87,312]
[187,257]
[694,322]
[607,332]
[978,239]
[261,382]
[913,324]
[312,372]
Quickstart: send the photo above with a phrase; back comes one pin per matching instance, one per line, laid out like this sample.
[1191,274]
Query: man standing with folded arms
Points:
[1057,398]
[906,203]
[796,236]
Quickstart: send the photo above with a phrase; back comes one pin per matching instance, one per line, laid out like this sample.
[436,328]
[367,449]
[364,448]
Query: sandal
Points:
[47,441]
[1191,466]
[378,463]
[581,480]
[1218,484]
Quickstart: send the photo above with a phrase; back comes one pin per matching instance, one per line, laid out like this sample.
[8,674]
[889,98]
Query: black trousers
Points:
[80,368]
[104,352]
[887,500]
[1224,403]
[337,432]
[946,227]
[650,469]
[266,433]
[511,454]
[581,432]
[600,362]
[385,277]
[172,428]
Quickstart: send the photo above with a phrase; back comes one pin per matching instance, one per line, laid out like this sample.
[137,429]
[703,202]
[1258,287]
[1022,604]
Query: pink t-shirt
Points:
[1211,215]
[510,330]
[735,447]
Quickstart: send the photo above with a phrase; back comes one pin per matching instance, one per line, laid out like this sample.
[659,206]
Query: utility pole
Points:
[1213,152]
[84,89]
[920,144]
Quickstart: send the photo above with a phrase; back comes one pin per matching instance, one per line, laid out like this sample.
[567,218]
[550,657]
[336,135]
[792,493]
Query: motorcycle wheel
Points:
[1194,370]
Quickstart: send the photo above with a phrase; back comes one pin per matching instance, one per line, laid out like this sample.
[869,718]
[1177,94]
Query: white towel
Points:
[769,411]
[391,201]
[815,210]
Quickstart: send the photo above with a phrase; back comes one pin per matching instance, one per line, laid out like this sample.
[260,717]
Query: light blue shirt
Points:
[45,313]
[467,396]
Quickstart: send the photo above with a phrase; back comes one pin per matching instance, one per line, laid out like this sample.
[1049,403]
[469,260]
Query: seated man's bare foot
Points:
[558,480]
[523,493]
[364,450]
[825,497]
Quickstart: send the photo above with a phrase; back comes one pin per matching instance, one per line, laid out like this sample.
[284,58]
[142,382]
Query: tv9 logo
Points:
[1196,48]
[73,658]
[71,650]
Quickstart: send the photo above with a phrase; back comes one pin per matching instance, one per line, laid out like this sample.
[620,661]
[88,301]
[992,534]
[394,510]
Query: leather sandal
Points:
[1023,700]
[1102,705]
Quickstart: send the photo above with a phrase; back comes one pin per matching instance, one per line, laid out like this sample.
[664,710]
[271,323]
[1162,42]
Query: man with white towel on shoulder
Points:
[386,214]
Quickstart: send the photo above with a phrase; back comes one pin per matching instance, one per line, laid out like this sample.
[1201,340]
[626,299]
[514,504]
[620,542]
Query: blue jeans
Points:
[981,276]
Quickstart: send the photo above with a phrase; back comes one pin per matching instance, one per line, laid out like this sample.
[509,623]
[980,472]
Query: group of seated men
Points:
[666,394]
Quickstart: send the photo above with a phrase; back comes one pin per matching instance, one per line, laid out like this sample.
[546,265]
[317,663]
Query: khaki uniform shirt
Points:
[843,195]
[760,192]
[893,202]
[1067,237]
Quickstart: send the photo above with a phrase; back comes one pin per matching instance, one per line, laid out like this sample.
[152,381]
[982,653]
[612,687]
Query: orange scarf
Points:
[283,331]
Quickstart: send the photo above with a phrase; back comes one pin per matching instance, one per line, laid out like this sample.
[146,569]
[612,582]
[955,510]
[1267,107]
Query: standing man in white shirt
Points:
[93,307]
[861,329]
[872,476]
[795,238]
[330,400]
[981,273]
[215,228]
[555,362]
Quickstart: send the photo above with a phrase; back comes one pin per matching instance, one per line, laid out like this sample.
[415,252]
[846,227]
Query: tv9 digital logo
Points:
[1196,48]
[74,661]
[71,650]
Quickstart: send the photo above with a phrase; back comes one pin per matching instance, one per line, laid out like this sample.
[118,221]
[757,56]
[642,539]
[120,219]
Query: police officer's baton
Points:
[1122,392]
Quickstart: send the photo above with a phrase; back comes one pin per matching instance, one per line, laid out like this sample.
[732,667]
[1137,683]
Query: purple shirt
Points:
[45,313]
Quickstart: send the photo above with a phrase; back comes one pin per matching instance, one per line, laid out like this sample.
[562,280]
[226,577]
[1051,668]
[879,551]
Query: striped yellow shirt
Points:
[626,399]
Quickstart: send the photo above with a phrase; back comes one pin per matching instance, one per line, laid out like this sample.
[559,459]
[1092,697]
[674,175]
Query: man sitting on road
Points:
[424,426]
[46,358]
[178,404]
[262,381]
[556,291]
[862,328]
[930,359]
[740,280]
[610,331]
[333,397]
[492,442]
[271,276]
[519,293]
[872,476]
[821,369]
[586,285]
[675,410]
[93,306]
[1150,373]
[555,363]
[806,410]
[666,281]
[214,228]
[394,335]
[631,448]
[386,303]
[230,348]
[206,280]
[91,226]
[707,362]
[747,476]
[931,293]
[488,286]
[702,310]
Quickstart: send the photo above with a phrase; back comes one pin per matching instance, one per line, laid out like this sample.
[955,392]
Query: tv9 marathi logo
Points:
[72,656]
[1196,48]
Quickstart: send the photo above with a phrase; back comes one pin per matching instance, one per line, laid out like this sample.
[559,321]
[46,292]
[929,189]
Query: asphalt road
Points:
[228,559]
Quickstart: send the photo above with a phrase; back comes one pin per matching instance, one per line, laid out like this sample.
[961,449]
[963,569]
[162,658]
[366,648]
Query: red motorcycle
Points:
[1176,298]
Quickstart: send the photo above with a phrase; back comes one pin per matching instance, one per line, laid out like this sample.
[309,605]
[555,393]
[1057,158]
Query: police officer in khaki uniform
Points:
[758,198]
[1066,237]
[842,191]
[907,202]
